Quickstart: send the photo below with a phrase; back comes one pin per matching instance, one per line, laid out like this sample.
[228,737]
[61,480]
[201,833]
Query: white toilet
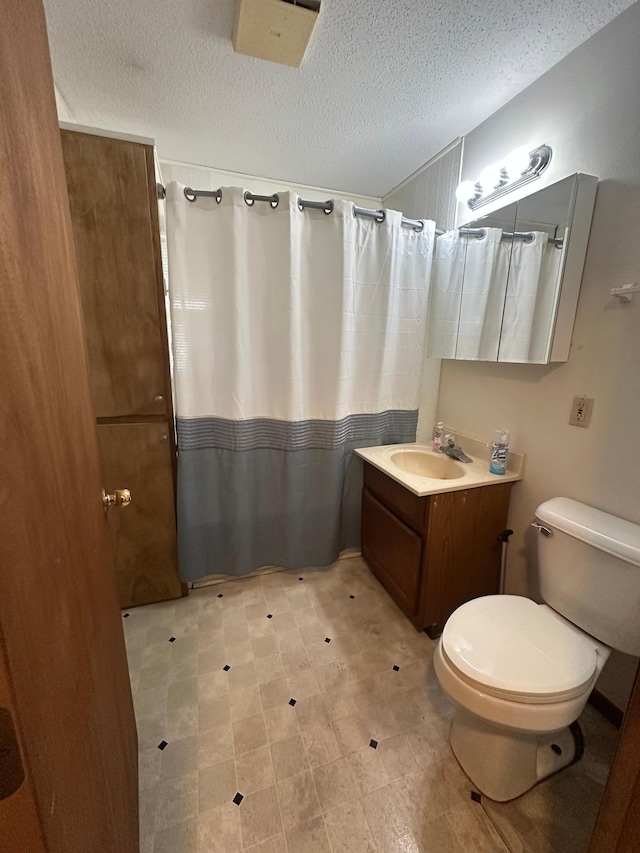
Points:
[519,673]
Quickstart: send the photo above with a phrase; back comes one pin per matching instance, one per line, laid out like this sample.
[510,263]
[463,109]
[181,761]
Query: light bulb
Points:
[466,190]
[517,162]
[490,178]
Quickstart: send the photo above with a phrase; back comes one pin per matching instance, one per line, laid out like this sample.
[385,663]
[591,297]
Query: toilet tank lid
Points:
[594,527]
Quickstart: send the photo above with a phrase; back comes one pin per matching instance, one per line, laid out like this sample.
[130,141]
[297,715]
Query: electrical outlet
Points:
[581,411]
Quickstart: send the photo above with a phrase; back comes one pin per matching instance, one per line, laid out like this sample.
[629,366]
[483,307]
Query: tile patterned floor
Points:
[299,712]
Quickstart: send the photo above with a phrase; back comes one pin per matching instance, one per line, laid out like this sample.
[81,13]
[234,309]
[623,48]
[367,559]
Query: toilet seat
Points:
[512,648]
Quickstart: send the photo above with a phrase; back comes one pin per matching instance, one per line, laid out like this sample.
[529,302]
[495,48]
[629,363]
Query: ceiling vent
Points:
[277,30]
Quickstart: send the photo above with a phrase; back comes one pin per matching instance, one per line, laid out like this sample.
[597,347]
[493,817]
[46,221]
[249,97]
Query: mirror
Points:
[505,286]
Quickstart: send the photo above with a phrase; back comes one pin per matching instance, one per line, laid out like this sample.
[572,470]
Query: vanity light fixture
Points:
[520,167]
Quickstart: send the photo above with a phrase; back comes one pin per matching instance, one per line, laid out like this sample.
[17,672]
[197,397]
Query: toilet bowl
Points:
[519,673]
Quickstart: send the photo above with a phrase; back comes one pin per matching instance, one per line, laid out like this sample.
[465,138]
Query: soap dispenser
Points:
[499,452]
[437,436]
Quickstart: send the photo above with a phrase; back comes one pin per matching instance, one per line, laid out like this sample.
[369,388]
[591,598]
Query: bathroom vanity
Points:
[432,540]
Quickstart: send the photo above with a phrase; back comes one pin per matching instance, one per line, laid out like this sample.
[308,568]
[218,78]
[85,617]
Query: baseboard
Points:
[606,707]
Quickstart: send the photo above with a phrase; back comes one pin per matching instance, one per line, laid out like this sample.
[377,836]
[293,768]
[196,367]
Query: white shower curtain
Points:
[526,277]
[467,298]
[485,282]
[298,336]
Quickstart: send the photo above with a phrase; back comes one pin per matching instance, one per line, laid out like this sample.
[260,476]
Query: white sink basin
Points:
[426,463]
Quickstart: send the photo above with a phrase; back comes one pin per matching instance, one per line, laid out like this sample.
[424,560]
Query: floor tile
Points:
[289,640]
[219,830]
[179,758]
[289,757]
[245,702]
[264,647]
[181,722]
[311,712]
[217,785]
[282,622]
[335,784]
[294,662]
[474,830]
[307,770]
[368,769]
[387,815]
[398,756]
[277,844]
[214,712]
[183,692]
[354,732]
[274,693]
[281,722]
[181,837]
[321,745]
[249,734]
[177,801]
[215,746]
[309,837]
[260,816]
[149,767]
[242,675]
[254,770]
[348,829]
[269,669]
[298,800]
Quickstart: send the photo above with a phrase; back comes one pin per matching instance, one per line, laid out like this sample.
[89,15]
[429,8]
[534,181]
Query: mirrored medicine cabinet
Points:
[505,286]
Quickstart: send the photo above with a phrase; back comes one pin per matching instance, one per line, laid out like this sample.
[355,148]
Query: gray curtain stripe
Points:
[272,434]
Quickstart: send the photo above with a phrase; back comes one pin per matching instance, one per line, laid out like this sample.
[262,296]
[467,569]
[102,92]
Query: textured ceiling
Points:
[384,86]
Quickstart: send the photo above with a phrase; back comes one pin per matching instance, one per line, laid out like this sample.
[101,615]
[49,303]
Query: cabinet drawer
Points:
[404,503]
[393,551]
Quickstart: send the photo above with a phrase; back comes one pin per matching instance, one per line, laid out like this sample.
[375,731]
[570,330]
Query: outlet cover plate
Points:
[581,410]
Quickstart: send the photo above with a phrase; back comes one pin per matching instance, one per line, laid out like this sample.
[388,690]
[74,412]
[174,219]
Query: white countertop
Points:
[474,473]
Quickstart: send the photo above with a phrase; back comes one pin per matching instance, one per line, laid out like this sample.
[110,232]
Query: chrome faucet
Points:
[451,449]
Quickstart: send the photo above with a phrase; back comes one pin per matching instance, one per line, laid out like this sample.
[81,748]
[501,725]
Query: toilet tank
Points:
[589,571]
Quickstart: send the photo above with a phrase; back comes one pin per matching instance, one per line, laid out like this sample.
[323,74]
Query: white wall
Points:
[430,194]
[64,110]
[586,108]
[204,177]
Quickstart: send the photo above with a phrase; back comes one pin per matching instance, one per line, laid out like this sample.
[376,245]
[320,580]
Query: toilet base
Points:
[504,763]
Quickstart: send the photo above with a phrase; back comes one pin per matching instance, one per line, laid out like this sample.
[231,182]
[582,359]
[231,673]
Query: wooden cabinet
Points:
[433,553]
[112,196]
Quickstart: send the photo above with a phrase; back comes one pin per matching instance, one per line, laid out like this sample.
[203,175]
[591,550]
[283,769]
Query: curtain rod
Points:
[527,236]
[327,206]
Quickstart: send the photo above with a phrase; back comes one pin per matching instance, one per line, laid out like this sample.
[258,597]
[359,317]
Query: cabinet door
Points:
[111,184]
[393,551]
[449,553]
[137,456]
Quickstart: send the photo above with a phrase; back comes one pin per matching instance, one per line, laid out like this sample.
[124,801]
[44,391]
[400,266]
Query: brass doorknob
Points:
[121,497]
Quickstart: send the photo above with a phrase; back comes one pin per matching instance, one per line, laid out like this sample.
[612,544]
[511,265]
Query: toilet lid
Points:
[511,645]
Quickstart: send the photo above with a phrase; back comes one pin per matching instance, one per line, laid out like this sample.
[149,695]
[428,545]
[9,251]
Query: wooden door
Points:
[112,196]
[143,537]
[114,214]
[617,828]
[64,685]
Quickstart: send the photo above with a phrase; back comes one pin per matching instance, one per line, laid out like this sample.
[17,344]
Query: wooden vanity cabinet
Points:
[432,553]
